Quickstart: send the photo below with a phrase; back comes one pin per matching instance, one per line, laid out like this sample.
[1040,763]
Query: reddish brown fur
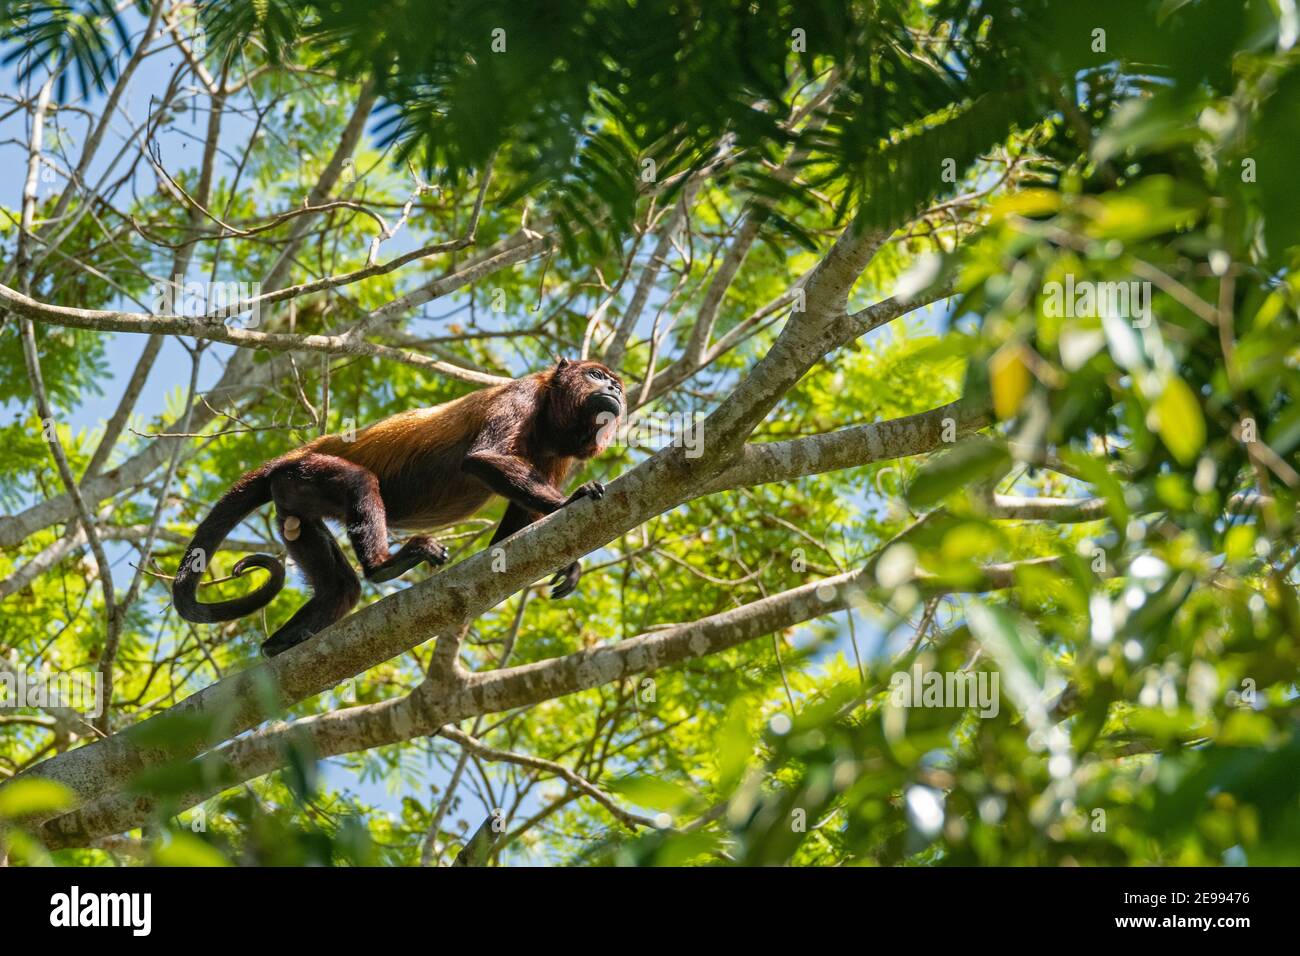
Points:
[387,445]
[423,468]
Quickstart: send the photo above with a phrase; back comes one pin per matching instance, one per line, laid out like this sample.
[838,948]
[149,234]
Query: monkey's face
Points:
[590,397]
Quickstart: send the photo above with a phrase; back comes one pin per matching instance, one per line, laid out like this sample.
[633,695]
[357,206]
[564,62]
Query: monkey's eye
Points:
[600,376]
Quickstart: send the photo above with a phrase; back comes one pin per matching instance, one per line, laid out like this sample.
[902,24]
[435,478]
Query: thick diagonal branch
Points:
[445,699]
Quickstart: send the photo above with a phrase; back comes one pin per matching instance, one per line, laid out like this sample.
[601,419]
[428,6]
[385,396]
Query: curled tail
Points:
[249,492]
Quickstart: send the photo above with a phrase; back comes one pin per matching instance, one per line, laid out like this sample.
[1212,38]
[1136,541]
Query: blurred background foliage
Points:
[1147,666]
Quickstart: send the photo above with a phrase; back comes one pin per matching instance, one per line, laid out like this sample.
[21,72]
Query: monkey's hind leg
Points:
[325,486]
[334,585]
[367,525]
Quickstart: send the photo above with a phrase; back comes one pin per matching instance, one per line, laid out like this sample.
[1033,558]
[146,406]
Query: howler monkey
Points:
[421,470]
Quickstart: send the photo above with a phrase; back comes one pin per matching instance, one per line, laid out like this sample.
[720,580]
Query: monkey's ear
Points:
[560,362]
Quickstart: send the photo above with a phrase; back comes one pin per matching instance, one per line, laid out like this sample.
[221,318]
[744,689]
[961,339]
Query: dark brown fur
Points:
[421,470]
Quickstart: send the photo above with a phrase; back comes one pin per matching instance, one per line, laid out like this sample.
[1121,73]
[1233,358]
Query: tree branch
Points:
[446,698]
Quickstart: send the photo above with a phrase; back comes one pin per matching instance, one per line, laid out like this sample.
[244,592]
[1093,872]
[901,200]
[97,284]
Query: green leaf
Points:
[654,793]
[1239,543]
[1151,207]
[185,849]
[1178,420]
[1017,650]
[974,459]
[29,796]
[733,745]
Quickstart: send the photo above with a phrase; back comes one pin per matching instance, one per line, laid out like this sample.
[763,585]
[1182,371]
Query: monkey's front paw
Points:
[592,489]
[565,580]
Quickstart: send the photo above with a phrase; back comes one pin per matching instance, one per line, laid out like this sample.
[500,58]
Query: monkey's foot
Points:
[419,550]
[434,553]
[565,580]
[286,637]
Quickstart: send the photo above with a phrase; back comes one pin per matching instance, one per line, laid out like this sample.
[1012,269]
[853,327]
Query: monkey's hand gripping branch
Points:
[566,579]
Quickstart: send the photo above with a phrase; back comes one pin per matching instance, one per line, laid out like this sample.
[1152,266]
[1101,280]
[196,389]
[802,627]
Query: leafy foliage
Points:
[76,35]
[1107,188]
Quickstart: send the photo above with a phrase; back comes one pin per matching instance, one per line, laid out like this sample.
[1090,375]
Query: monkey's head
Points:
[584,404]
